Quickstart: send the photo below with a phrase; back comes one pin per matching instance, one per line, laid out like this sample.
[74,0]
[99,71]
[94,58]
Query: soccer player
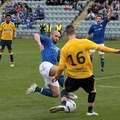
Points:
[98,30]
[7,33]
[50,56]
[79,71]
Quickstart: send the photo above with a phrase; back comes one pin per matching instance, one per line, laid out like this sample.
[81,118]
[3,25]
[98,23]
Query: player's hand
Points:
[14,37]
[112,6]
[118,51]
[54,79]
[41,47]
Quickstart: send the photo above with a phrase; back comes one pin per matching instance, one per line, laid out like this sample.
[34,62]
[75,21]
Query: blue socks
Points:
[102,63]
[44,91]
[47,91]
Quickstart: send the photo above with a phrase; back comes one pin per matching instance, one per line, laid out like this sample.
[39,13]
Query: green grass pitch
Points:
[16,105]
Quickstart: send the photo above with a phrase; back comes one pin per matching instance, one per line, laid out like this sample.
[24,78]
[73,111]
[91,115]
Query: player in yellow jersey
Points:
[79,70]
[7,33]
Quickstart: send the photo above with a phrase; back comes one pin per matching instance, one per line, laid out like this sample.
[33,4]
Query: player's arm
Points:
[107,49]
[14,30]
[110,11]
[90,31]
[61,67]
[14,34]
[37,39]
[0,34]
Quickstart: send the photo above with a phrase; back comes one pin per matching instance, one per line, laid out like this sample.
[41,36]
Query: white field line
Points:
[103,86]
[23,52]
[103,78]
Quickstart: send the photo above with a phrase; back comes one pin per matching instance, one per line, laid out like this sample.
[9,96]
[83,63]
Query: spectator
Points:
[115,16]
[105,13]
[42,28]
[38,9]
[16,20]
[28,25]
[2,19]
[58,27]
[48,29]
[74,5]
[79,6]
[90,16]
[40,15]
[95,10]
[19,9]
[117,5]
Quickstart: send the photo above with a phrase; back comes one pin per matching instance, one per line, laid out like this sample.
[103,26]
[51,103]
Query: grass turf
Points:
[16,105]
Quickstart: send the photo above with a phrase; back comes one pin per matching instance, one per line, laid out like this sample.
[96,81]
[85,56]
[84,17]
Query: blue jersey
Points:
[98,31]
[51,52]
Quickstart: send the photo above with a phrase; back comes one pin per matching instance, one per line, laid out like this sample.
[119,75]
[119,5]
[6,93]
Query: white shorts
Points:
[44,69]
[99,52]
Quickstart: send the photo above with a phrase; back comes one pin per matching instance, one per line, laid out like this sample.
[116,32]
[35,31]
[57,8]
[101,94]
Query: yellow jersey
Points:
[75,55]
[7,30]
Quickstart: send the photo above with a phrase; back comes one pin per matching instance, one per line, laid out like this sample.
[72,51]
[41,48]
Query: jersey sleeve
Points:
[14,28]
[44,39]
[105,21]
[106,49]
[90,30]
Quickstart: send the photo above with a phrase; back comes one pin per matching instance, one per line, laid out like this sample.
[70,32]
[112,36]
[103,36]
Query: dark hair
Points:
[99,16]
[69,29]
[8,15]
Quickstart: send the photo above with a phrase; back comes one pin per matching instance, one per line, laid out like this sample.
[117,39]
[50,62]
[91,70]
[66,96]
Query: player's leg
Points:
[69,87]
[51,89]
[89,86]
[9,46]
[61,81]
[2,46]
[91,52]
[102,59]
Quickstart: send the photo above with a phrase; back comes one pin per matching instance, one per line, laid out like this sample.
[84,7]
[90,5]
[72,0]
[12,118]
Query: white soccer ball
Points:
[70,106]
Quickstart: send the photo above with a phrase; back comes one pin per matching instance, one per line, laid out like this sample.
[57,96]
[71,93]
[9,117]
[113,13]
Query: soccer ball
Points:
[70,106]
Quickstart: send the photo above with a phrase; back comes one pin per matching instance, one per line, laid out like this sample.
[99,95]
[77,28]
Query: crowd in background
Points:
[102,7]
[22,13]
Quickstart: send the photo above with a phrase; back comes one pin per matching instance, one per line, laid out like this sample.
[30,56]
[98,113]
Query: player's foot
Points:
[31,89]
[102,70]
[12,65]
[57,108]
[72,96]
[92,113]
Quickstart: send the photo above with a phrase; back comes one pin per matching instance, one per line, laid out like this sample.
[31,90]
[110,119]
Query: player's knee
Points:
[55,95]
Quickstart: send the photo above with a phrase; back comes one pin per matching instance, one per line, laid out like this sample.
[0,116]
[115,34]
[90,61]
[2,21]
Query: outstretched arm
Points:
[37,39]
[110,12]
[107,49]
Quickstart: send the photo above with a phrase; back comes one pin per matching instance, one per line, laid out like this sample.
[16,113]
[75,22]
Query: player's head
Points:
[8,18]
[98,19]
[55,36]
[70,31]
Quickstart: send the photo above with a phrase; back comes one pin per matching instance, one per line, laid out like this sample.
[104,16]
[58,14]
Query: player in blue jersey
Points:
[98,31]
[50,56]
